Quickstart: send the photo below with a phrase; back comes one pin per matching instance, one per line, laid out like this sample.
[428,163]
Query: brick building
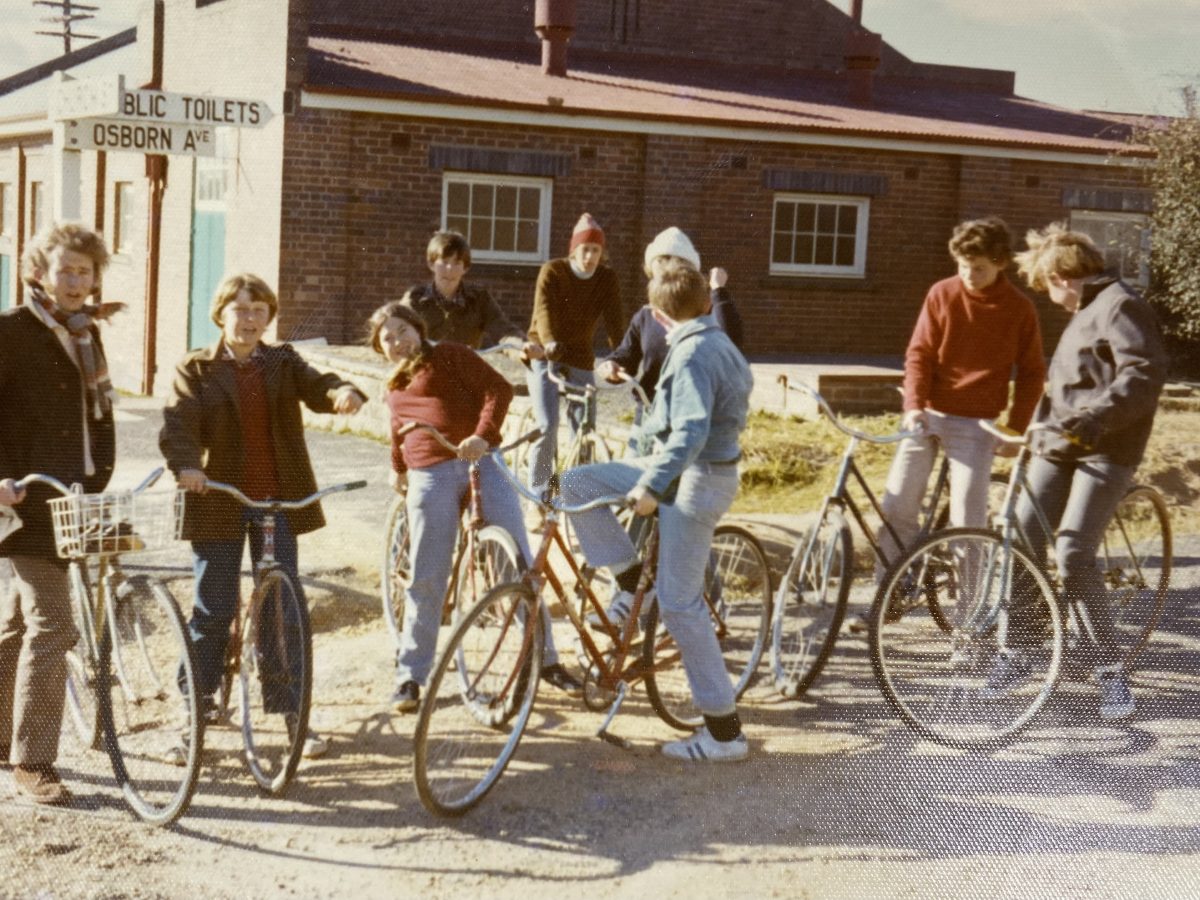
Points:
[817,164]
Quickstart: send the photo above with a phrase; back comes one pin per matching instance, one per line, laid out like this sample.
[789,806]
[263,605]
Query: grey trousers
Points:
[36,631]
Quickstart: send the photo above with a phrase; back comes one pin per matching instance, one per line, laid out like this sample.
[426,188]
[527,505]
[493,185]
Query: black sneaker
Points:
[407,697]
[558,677]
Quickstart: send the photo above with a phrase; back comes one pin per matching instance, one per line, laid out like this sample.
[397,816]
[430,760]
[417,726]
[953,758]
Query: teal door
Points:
[5,273]
[208,268]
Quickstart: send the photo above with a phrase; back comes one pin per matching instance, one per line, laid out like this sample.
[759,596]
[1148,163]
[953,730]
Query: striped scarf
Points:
[92,363]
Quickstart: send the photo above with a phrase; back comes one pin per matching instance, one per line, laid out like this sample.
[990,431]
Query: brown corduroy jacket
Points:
[202,430]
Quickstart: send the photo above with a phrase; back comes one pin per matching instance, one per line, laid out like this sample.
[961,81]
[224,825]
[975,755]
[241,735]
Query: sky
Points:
[1116,55]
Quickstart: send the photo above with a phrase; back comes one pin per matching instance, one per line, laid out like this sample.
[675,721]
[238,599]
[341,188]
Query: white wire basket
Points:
[116,522]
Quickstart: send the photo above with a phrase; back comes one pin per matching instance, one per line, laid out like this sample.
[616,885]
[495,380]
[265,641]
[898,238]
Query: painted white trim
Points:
[545,189]
[591,122]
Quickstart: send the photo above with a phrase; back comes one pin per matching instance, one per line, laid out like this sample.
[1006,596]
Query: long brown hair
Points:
[406,370]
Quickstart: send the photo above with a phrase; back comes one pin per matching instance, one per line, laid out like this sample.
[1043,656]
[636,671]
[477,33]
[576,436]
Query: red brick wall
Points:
[360,202]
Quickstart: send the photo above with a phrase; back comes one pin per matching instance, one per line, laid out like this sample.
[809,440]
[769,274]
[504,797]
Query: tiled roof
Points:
[640,87]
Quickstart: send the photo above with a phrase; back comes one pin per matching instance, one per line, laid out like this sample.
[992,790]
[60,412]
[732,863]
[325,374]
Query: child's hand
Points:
[610,371]
[348,401]
[717,277]
[472,448]
[534,350]
[398,481]
[644,502]
[192,480]
[915,420]
[9,494]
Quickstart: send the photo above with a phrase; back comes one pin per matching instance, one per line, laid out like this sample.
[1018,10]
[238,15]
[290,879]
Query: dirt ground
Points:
[839,799]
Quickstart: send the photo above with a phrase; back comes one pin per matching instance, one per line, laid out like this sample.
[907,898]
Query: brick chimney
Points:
[554,22]
[863,49]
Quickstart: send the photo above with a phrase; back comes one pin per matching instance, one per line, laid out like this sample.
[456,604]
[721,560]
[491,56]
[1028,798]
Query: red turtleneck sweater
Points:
[964,349]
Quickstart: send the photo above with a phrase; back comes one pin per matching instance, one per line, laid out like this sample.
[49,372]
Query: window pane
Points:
[482,200]
[824,252]
[826,218]
[845,251]
[506,202]
[527,237]
[481,234]
[804,249]
[461,224]
[505,235]
[847,220]
[531,203]
[458,199]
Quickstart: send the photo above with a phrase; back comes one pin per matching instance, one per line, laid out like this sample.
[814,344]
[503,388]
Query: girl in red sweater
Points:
[448,386]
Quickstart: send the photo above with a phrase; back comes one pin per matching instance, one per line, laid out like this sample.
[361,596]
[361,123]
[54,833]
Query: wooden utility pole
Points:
[72,12]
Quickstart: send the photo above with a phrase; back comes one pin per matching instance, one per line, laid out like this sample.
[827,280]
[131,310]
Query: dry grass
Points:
[790,463]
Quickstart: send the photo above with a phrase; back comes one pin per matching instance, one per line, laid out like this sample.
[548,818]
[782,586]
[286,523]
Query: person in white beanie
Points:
[644,347]
[572,295]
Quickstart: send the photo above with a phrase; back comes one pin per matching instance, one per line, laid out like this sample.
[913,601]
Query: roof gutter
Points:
[317,98]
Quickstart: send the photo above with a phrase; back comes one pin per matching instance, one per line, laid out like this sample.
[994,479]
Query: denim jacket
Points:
[700,408]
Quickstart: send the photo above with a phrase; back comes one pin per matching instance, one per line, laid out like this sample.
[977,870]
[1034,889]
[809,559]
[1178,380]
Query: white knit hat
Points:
[672,242]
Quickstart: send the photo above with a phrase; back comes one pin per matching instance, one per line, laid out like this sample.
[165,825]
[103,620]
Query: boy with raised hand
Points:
[56,403]
[976,333]
[454,310]
[690,475]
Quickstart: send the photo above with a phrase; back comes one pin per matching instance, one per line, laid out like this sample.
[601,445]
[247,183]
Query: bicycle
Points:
[469,726]
[485,555]
[130,677]
[942,614]
[270,655]
[811,600]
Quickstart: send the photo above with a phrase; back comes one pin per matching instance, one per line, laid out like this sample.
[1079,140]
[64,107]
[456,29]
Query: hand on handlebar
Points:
[915,420]
[534,350]
[398,481]
[473,448]
[192,480]
[644,503]
[10,494]
[610,371]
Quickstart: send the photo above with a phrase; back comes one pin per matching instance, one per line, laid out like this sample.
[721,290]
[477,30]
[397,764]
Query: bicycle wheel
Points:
[457,758]
[518,457]
[1135,559]
[152,727]
[810,603]
[737,590]
[82,664]
[494,560]
[275,681]
[980,682]
[396,572]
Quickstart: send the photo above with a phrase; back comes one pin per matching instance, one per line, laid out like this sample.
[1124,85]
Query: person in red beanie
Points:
[572,295]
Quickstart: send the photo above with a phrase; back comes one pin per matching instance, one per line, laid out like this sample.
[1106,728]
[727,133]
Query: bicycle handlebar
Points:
[626,379]
[841,426]
[236,494]
[619,500]
[453,448]
[566,388]
[1019,440]
[37,477]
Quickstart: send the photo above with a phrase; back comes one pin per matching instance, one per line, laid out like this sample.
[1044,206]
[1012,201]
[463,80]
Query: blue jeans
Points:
[543,397]
[685,533]
[217,569]
[1078,498]
[434,504]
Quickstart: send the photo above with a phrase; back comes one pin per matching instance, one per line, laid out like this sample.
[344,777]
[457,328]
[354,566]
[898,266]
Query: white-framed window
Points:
[1123,238]
[505,218]
[123,216]
[37,207]
[819,234]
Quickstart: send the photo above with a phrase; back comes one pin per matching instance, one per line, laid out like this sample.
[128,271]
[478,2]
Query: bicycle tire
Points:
[518,459]
[495,560]
[810,603]
[395,574]
[1135,559]
[83,710]
[737,592]
[457,758]
[275,679]
[149,714]
[944,683]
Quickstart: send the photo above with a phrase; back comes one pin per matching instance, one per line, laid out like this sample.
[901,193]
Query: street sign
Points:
[107,97]
[81,98]
[140,137]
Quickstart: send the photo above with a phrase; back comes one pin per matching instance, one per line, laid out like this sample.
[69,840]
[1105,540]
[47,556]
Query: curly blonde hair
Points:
[74,236]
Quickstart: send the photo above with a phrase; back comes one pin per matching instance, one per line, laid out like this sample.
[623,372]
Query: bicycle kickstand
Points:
[604,734]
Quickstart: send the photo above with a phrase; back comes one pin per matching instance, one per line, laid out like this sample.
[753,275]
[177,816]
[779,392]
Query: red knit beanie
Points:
[587,231]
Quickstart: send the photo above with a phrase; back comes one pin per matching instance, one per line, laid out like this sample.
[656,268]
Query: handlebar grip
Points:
[355,485]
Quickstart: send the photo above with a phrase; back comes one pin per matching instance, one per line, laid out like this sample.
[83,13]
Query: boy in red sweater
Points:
[975,328]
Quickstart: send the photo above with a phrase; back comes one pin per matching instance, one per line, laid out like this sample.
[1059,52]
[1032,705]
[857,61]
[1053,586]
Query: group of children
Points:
[234,416]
